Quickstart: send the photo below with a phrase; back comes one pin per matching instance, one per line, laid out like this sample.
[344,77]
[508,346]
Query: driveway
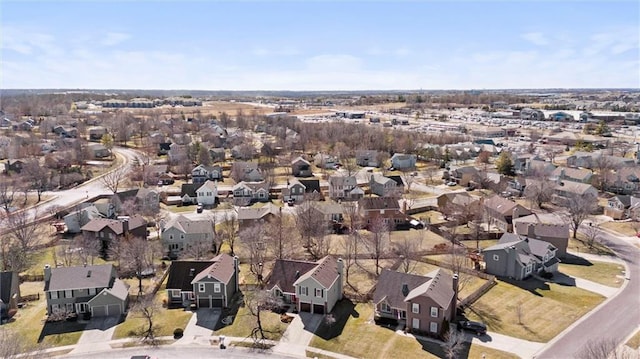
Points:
[299,333]
[200,327]
[97,334]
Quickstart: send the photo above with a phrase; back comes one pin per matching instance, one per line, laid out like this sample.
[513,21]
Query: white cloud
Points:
[536,38]
[114,38]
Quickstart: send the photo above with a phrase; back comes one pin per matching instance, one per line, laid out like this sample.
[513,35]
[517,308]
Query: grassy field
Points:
[356,335]
[46,256]
[362,275]
[624,228]
[244,322]
[634,341]
[546,309]
[599,272]
[165,321]
[579,245]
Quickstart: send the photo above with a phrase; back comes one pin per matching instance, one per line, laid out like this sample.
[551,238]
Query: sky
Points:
[319,45]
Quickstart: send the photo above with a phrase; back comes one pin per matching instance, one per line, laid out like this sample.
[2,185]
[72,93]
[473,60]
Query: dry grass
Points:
[600,272]
[426,240]
[362,275]
[634,341]
[579,245]
[548,308]
[244,322]
[624,228]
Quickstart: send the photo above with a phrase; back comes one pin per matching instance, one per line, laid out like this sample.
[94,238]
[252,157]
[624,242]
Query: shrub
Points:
[178,333]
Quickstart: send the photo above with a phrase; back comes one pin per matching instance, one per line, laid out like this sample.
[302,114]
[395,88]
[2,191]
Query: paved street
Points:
[616,318]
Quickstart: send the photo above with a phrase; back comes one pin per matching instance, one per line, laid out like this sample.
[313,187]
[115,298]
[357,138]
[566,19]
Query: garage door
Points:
[203,302]
[318,309]
[217,303]
[305,307]
[113,309]
[210,302]
[98,311]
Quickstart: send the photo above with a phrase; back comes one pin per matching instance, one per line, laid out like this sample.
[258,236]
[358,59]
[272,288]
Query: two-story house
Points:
[625,180]
[402,161]
[622,207]
[246,172]
[81,216]
[181,232]
[85,289]
[248,216]
[384,209]
[301,168]
[294,192]
[565,190]
[143,200]
[245,193]
[368,158]
[465,176]
[548,227]
[519,257]
[344,188]
[581,175]
[500,212]
[421,303]
[326,161]
[313,287]
[204,284]
[108,230]
[207,194]
[384,186]
[202,173]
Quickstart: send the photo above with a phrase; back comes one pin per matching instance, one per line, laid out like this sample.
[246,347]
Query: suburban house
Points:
[625,180]
[9,295]
[108,230]
[85,289]
[142,199]
[455,201]
[246,172]
[180,233]
[203,284]
[384,186]
[464,176]
[245,193]
[295,191]
[548,227]
[500,212]
[592,159]
[368,158]
[65,131]
[202,173]
[243,152]
[344,188]
[331,212]
[177,153]
[188,193]
[247,216]
[207,194]
[386,209]
[565,190]
[301,168]
[519,257]
[581,175]
[422,303]
[323,160]
[622,207]
[98,150]
[401,161]
[217,154]
[310,286]
[96,133]
[78,218]
[540,167]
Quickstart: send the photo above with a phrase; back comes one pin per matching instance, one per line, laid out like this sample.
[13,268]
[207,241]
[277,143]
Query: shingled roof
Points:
[222,269]
[80,277]
[181,273]
[390,284]
[285,272]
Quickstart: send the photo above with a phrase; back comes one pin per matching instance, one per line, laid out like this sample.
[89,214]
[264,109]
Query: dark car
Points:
[470,326]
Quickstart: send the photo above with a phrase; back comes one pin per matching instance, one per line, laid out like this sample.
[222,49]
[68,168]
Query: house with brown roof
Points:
[85,289]
[387,209]
[465,175]
[548,227]
[108,230]
[581,175]
[565,190]
[500,212]
[203,284]
[421,303]
[313,287]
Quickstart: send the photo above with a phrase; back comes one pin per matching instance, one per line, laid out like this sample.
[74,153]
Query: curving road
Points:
[616,318]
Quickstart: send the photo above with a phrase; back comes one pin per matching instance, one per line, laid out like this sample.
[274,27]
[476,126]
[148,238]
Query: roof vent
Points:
[405,289]
[297,275]
[88,273]
[192,271]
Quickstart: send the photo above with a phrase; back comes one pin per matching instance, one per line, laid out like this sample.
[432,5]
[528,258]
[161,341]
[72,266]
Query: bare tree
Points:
[458,261]
[89,248]
[278,230]
[13,346]
[229,230]
[23,231]
[148,309]
[255,247]
[453,344]
[198,250]
[407,249]
[604,168]
[578,208]
[7,193]
[602,348]
[112,180]
[313,229]
[592,234]
[256,302]
[540,190]
[137,256]
[377,240]
[38,177]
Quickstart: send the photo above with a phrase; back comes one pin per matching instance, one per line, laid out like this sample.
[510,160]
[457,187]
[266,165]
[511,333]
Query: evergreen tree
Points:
[504,164]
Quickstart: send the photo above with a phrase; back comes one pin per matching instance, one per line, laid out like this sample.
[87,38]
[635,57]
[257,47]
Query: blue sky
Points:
[319,45]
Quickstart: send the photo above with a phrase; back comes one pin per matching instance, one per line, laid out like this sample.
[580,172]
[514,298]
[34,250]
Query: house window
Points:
[304,291]
[191,296]
[384,307]
[319,293]
[434,312]
[433,327]
[53,295]
[55,308]
[68,294]
[403,314]
[201,288]
[175,293]
[496,257]
[69,307]
[216,287]
[92,291]
[415,308]
[82,307]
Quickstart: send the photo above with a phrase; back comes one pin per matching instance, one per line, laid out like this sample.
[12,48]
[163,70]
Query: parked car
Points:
[199,208]
[451,183]
[471,326]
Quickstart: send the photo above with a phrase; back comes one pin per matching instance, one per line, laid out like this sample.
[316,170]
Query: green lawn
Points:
[361,338]
[599,272]
[547,309]
[244,322]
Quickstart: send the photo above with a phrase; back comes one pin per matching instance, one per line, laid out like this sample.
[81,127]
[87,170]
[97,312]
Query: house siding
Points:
[424,316]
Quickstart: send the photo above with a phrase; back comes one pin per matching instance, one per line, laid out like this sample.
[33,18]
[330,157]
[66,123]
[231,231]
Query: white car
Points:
[451,184]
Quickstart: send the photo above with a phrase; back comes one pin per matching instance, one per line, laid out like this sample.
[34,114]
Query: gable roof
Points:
[190,226]
[209,185]
[249,213]
[181,273]
[189,189]
[325,272]
[439,288]
[80,277]
[222,269]
[574,187]
[311,186]
[528,249]
[116,225]
[373,203]
[389,287]
[285,272]
[500,204]
[342,181]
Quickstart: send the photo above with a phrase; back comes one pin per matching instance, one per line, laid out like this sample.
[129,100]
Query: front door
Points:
[415,323]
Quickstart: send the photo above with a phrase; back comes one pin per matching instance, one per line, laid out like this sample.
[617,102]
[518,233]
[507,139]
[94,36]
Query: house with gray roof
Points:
[301,167]
[246,172]
[85,289]
[202,173]
[247,216]
[344,188]
[548,227]
[245,193]
[368,158]
[622,207]
[384,186]
[565,190]
[581,175]
[203,284]
[421,303]
[401,161]
[313,287]
[500,212]
[181,232]
[519,257]
[78,218]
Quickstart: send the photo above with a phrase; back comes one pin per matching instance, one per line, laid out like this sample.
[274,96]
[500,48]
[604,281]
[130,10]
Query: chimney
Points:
[192,272]
[297,275]
[125,225]
[405,289]
[47,272]
[89,274]
[454,301]
[236,267]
